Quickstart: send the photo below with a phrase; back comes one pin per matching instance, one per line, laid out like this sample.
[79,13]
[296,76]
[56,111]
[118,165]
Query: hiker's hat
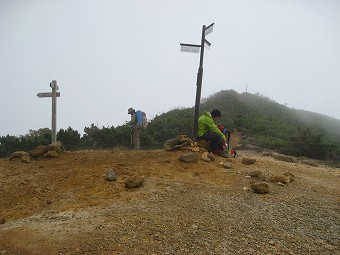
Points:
[130,110]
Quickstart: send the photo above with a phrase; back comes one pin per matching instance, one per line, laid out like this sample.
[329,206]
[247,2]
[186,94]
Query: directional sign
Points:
[47,94]
[193,48]
[209,29]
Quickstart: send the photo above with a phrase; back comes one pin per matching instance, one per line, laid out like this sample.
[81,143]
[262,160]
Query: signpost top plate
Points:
[47,94]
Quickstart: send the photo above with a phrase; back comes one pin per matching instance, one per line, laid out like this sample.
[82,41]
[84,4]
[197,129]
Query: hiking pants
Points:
[136,137]
[216,141]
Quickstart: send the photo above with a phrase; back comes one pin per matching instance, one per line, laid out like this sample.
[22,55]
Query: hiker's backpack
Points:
[142,120]
[225,132]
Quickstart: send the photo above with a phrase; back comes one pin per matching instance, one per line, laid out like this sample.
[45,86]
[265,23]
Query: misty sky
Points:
[109,55]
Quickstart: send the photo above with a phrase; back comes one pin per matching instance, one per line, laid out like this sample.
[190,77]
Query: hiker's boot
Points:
[225,154]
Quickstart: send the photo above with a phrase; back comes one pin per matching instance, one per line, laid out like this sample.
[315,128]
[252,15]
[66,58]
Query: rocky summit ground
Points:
[65,205]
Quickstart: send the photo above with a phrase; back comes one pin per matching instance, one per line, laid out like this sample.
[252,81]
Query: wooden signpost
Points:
[185,47]
[54,94]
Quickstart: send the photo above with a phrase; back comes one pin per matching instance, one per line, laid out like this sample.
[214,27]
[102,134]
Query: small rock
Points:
[195,149]
[110,175]
[26,159]
[205,157]
[2,220]
[48,202]
[189,157]
[290,176]
[248,161]
[280,184]
[133,182]
[246,188]
[194,144]
[260,188]
[227,165]
[211,156]
[51,154]
[258,174]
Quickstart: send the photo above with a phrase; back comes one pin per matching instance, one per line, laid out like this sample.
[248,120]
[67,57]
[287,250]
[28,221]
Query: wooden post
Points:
[199,87]
[54,96]
[54,87]
[195,48]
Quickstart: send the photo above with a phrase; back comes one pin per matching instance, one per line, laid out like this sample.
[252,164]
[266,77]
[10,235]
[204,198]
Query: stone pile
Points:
[49,151]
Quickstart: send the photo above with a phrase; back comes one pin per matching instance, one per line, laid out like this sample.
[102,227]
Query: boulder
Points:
[169,145]
[186,140]
[248,161]
[177,143]
[39,151]
[26,159]
[58,147]
[258,174]
[18,154]
[260,188]
[189,157]
[51,154]
[133,182]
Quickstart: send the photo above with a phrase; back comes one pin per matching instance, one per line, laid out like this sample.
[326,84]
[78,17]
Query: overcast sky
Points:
[110,55]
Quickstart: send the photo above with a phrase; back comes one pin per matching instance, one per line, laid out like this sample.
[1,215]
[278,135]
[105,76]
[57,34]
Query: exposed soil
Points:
[65,205]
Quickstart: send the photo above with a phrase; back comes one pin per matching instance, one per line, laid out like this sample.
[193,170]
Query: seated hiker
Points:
[208,130]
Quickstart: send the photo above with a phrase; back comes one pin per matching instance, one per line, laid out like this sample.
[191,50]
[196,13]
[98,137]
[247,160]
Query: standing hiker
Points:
[137,123]
[208,130]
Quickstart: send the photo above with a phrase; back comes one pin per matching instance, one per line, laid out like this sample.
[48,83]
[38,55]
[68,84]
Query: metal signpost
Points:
[194,48]
[54,94]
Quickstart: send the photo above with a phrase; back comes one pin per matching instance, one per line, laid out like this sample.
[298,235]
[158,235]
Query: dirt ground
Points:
[65,205]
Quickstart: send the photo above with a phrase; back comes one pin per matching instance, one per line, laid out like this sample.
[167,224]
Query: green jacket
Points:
[206,123]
